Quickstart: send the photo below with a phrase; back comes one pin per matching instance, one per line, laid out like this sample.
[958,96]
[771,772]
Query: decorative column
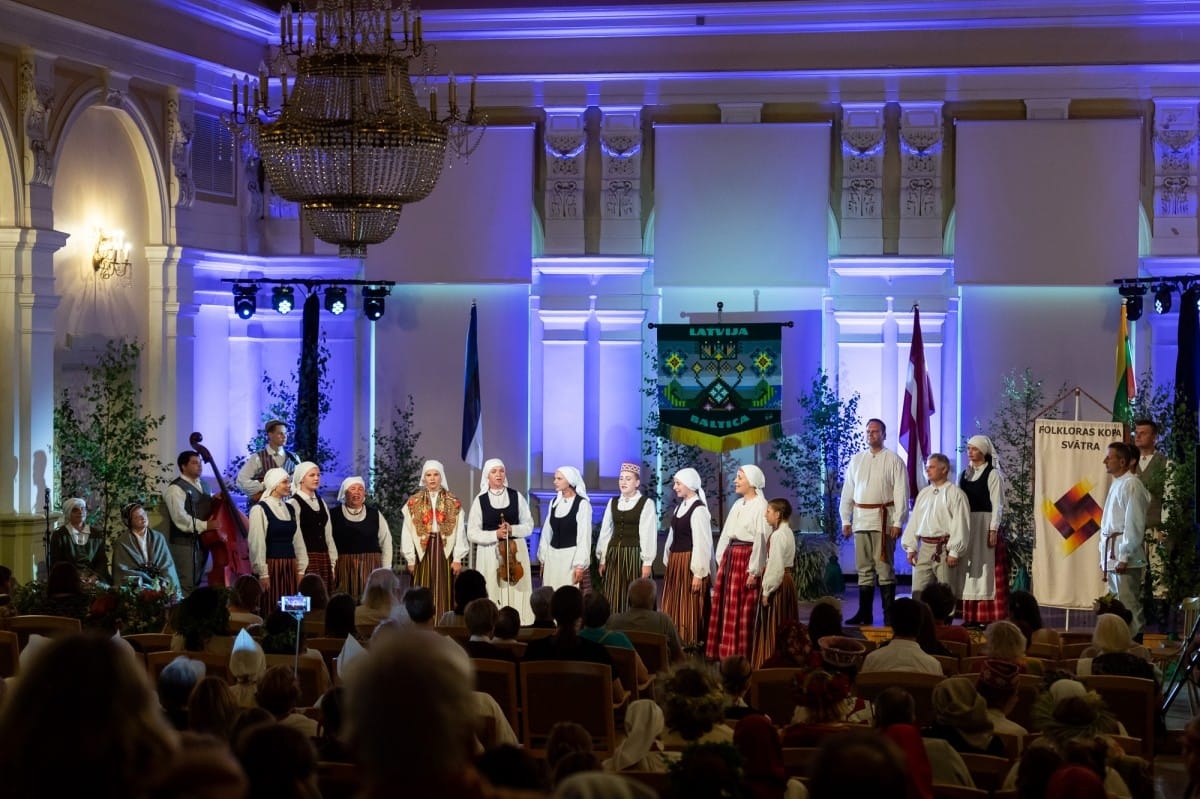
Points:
[35,105]
[565,143]
[862,179]
[170,346]
[621,182]
[1175,152]
[180,129]
[921,178]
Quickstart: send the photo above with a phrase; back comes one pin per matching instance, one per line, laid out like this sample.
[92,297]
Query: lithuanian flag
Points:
[1126,385]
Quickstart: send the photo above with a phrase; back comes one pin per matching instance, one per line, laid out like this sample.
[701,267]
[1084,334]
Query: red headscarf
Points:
[920,772]
[1075,782]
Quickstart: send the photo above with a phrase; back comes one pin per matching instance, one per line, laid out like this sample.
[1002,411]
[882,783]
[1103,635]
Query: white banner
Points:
[1069,489]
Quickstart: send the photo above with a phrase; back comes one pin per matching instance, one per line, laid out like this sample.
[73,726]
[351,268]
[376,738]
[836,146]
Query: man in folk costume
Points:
[985,582]
[937,534]
[272,456]
[873,508]
[499,525]
[433,538]
[362,537]
[189,504]
[1153,468]
[628,538]
[1123,532]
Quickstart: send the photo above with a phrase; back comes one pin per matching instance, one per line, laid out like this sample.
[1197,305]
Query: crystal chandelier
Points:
[350,143]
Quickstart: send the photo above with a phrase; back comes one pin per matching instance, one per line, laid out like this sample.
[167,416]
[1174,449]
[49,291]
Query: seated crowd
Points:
[232,715]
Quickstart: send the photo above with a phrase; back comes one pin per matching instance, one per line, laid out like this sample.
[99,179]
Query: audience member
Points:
[997,683]
[1005,641]
[469,585]
[710,770]
[379,599]
[1034,770]
[927,633]
[566,644]
[826,619]
[201,623]
[641,749]
[331,745]
[64,591]
[735,680]
[596,612]
[339,617]
[693,707]
[245,599]
[1075,782]
[508,625]
[794,649]
[279,762]
[279,694]
[763,772]
[510,766]
[572,764]
[1024,611]
[824,701]
[313,586]
[941,601]
[567,738]
[419,606]
[602,785]
[960,718]
[249,718]
[539,602]
[175,684]
[204,768]
[480,616]
[211,709]
[858,763]
[8,584]
[903,653]
[641,616]
[894,709]
[1115,653]
[247,664]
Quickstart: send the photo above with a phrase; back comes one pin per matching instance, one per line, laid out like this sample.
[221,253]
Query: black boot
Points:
[866,601]
[887,595]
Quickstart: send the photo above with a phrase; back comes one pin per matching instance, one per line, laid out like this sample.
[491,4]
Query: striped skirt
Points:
[433,572]
[318,564]
[781,608]
[622,565]
[734,606]
[284,582]
[353,571]
[685,608]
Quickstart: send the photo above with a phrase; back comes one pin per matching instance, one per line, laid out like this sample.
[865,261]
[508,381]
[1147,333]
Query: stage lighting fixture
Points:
[335,299]
[283,299]
[1162,299]
[372,301]
[1133,300]
[245,300]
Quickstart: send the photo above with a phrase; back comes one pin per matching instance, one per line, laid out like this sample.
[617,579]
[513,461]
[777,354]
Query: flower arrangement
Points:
[132,607]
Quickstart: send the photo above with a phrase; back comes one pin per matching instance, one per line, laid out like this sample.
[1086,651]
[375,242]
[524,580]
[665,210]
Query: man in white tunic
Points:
[1123,532]
[873,509]
[938,530]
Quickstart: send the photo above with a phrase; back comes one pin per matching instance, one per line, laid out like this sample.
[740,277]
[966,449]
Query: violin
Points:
[227,542]
[508,569]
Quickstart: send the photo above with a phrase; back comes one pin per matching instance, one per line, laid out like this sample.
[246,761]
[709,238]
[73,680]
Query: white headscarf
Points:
[298,474]
[575,479]
[349,481]
[488,465]
[441,470]
[691,478]
[643,724]
[755,476]
[273,478]
[247,658]
[65,519]
[984,445]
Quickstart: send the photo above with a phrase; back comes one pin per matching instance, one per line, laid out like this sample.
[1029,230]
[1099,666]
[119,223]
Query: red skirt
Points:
[734,606]
[986,611]
[685,608]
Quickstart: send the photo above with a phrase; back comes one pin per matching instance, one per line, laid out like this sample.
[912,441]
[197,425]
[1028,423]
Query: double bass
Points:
[226,540]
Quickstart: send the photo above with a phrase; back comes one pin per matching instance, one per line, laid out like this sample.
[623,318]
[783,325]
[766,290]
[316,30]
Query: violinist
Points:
[499,519]
[189,503]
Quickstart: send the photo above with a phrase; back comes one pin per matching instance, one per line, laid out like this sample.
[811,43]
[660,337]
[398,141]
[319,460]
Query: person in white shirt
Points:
[938,530]
[273,455]
[984,586]
[873,509]
[628,539]
[565,546]
[687,557]
[277,554]
[903,653]
[741,558]
[779,605]
[433,536]
[1123,532]
[315,523]
[500,518]
[189,505]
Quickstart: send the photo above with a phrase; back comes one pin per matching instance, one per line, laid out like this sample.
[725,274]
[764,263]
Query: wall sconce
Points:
[111,258]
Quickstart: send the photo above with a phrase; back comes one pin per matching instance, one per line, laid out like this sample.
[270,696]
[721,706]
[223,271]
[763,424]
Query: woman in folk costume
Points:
[432,539]
[628,538]
[985,587]
[141,553]
[277,554]
[778,591]
[315,524]
[688,559]
[74,541]
[362,536]
[741,556]
[565,548]
[500,518]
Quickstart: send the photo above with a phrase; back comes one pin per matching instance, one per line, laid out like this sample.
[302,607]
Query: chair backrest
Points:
[1029,686]
[314,627]
[1132,700]
[1069,665]
[870,684]
[312,674]
[958,649]
[329,648]
[1074,650]
[1135,747]
[987,772]
[949,664]
[10,653]
[1046,635]
[625,667]
[1013,744]
[533,633]
[215,665]
[516,647]
[1084,637]
[798,760]
[498,679]
[652,647]
[972,665]
[149,642]
[771,692]
[1045,651]
[49,626]
[567,690]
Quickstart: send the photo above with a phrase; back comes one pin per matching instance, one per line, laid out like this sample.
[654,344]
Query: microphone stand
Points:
[46,535]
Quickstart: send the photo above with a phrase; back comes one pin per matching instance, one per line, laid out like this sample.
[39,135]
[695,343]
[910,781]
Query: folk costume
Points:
[79,546]
[985,582]
[1122,540]
[741,553]
[566,542]
[874,500]
[363,540]
[779,590]
[276,545]
[687,556]
[145,558]
[251,478]
[628,541]
[189,504]
[938,530]
[313,516]
[433,538]
[488,510]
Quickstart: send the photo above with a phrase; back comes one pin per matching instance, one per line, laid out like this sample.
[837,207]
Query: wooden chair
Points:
[312,674]
[1069,665]
[533,633]
[1046,635]
[798,760]
[49,626]
[958,649]
[1044,651]
[1069,638]
[987,771]
[565,690]
[1013,744]
[949,664]
[1074,650]
[771,692]
[1133,701]
[366,630]
[329,648]
[652,648]
[972,665]
[313,627]
[870,684]
[625,666]
[657,781]
[1029,686]
[149,642]
[338,780]
[498,679]
[958,792]
[516,647]
[10,654]
[214,665]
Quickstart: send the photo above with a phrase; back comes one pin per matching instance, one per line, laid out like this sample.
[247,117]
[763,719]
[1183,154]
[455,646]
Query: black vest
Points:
[198,503]
[490,518]
[976,490]
[565,529]
[312,524]
[280,532]
[355,537]
[681,529]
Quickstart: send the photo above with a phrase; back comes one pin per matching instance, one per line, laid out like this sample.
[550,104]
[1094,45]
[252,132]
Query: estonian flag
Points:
[472,427]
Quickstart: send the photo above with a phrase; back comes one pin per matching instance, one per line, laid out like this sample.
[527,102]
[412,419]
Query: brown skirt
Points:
[622,565]
[433,572]
[284,582]
[685,608]
[318,564]
[353,571]
[781,608]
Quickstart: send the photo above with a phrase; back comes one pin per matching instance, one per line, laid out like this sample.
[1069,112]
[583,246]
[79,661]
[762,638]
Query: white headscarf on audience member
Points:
[488,465]
[643,726]
[299,473]
[349,481]
[754,476]
[691,478]
[272,479]
[436,466]
[575,479]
